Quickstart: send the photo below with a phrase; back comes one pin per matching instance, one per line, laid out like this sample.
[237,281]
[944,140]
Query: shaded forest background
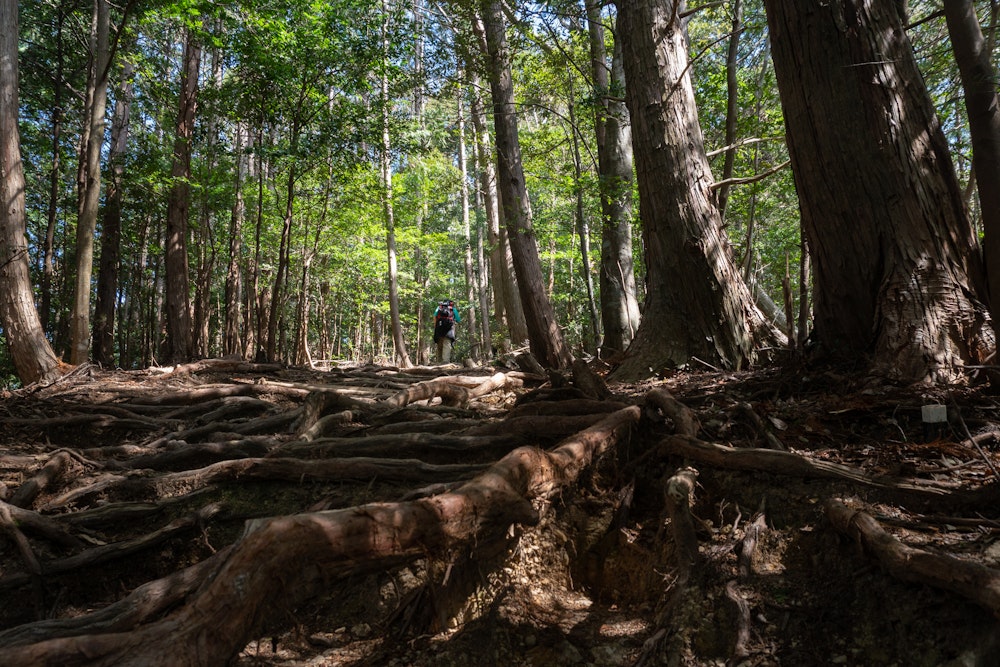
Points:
[286,220]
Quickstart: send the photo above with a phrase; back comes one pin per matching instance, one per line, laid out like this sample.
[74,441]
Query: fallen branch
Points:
[50,472]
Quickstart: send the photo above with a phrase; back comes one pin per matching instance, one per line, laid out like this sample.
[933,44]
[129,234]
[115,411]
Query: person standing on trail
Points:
[445,318]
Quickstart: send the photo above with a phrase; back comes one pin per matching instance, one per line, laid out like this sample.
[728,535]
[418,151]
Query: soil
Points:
[600,580]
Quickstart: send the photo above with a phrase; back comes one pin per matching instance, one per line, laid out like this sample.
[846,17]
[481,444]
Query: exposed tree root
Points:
[971,580]
[284,560]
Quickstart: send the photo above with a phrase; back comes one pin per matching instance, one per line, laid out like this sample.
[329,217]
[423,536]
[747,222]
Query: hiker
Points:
[444,329]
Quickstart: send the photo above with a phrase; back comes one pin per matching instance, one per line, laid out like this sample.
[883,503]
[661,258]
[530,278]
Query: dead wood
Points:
[281,561]
[684,419]
[116,550]
[972,580]
[116,513]
[740,646]
[216,366]
[265,424]
[23,546]
[55,468]
[529,364]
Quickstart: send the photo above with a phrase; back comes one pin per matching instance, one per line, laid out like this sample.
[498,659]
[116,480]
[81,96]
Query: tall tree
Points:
[544,335]
[90,179]
[33,357]
[697,304]
[402,357]
[619,306]
[178,299]
[231,342]
[979,79]
[111,223]
[470,276]
[897,270]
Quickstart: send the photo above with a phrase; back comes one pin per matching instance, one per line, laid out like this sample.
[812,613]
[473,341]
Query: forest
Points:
[720,387]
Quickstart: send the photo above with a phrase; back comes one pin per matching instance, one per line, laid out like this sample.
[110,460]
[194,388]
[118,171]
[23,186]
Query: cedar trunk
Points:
[897,268]
[178,299]
[30,351]
[544,335]
[979,79]
[619,307]
[697,304]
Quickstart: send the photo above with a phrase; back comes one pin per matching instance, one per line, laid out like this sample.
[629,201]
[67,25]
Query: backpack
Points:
[444,322]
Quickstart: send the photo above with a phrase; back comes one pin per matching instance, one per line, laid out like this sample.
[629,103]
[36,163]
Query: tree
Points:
[402,357]
[90,179]
[983,107]
[544,335]
[177,291]
[697,304]
[897,270]
[32,355]
[619,306]
[107,276]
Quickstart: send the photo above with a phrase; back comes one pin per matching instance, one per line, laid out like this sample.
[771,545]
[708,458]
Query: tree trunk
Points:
[30,351]
[897,270]
[507,304]
[470,276]
[732,107]
[178,300]
[582,226]
[402,356]
[697,304]
[231,341]
[544,335]
[111,223]
[48,262]
[979,79]
[90,195]
[619,307]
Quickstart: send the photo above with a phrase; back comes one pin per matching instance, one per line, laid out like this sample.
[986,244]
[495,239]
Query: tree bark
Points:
[619,306]
[401,355]
[232,341]
[897,268]
[732,107]
[111,223]
[690,268]
[178,300]
[507,304]
[90,194]
[979,79]
[470,276]
[544,335]
[30,351]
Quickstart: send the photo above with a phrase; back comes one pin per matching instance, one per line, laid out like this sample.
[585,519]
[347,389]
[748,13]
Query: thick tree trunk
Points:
[30,351]
[544,335]
[111,223]
[896,262]
[697,304]
[979,79]
[178,300]
[619,306]
[90,195]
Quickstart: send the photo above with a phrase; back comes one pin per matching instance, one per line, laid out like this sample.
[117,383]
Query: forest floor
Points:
[776,517]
